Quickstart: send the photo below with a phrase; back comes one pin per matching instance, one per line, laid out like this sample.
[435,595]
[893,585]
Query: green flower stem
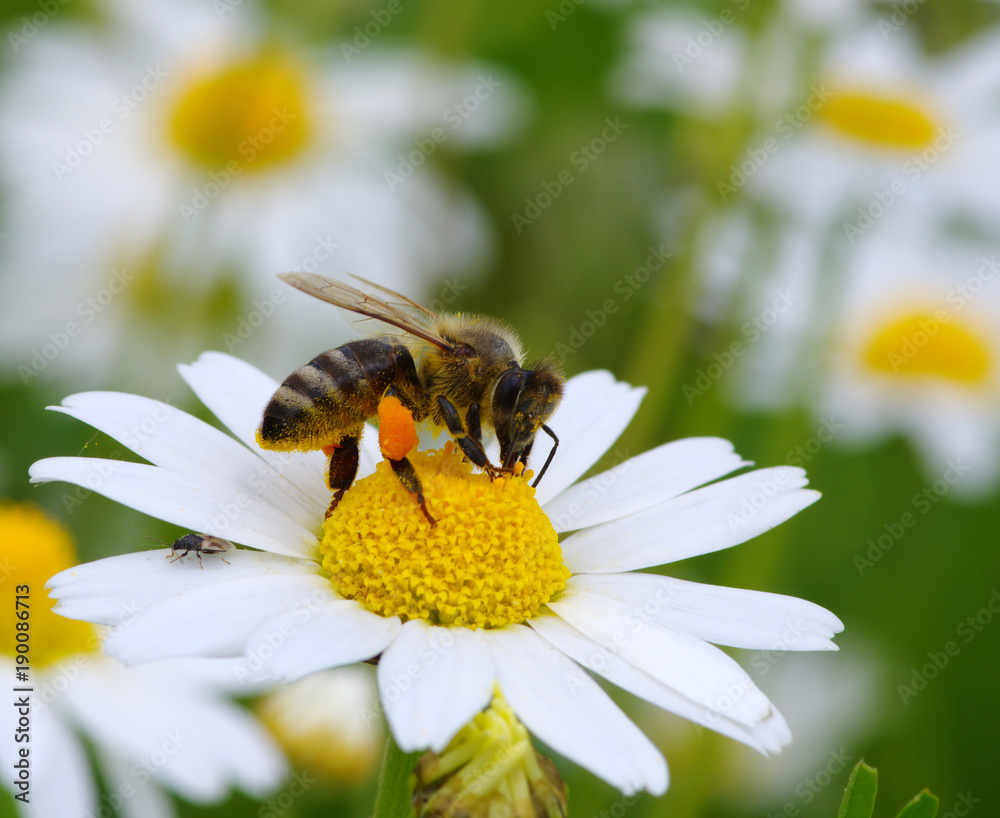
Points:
[393,799]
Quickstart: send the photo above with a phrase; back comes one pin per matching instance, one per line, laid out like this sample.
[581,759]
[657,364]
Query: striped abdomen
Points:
[336,392]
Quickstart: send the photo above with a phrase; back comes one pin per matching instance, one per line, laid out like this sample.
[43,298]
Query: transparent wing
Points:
[407,315]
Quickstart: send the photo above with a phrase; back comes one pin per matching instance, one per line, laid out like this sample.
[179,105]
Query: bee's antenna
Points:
[552,451]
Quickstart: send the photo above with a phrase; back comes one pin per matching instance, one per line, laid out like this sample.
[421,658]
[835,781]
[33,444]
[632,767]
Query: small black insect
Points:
[199,544]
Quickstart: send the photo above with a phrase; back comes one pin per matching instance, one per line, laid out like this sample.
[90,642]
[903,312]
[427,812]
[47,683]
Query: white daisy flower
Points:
[163,726]
[183,143]
[489,596]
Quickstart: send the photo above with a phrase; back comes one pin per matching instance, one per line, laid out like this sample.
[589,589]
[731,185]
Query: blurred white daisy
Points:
[184,141]
[883,124]
[916,351]
[455,609]
[328,723]
[164,726]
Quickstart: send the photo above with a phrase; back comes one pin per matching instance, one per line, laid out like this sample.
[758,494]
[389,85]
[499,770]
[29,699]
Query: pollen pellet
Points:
[493,559]
[397,433]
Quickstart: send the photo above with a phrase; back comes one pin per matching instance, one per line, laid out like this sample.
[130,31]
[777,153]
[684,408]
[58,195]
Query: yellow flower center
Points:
[493,559]
[880,120]
[251,113]
[920,344]
[35,548]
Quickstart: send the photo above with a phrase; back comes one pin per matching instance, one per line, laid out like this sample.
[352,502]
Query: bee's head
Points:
[523,399]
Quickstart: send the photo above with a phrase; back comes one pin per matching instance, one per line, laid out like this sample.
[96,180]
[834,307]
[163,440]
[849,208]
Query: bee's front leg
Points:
[469,440]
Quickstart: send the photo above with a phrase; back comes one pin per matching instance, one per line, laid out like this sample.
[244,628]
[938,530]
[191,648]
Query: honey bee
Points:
[462,373]
[199,544]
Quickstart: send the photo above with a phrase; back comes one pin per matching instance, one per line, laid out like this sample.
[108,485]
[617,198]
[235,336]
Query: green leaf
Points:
[859,797]
[924,805]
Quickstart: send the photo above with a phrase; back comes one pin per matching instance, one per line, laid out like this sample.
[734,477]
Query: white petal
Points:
[204,503]
[565,708]
[594,411]
[237,393]
[175,440]
[708,519]
[214,619]
[114,589]
[187,740]
[612,667]
[695,669]
[433,681]
[643,481]
[309,639]
[145,798]
[62,782]
[735,617]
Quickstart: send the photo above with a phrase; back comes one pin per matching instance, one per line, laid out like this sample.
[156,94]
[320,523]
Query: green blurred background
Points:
[543,279]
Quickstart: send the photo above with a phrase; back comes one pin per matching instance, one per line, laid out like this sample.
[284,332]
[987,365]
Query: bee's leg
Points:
[397,437]
[407,475]
[471,446]
[343,468]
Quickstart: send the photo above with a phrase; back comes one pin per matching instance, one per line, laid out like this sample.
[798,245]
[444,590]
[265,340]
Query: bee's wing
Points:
[408,316]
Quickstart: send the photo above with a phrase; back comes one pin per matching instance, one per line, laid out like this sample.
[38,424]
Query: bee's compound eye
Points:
[507,390]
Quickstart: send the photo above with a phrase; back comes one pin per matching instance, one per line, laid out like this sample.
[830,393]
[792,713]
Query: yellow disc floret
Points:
[493,559]
[920,345]
[883,121]
[35,548]
[246,116]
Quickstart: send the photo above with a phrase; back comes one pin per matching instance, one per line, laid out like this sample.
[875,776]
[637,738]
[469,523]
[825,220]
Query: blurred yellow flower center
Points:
[879,120]
[251,113]
[921,345]
[35,548]
[493,558]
